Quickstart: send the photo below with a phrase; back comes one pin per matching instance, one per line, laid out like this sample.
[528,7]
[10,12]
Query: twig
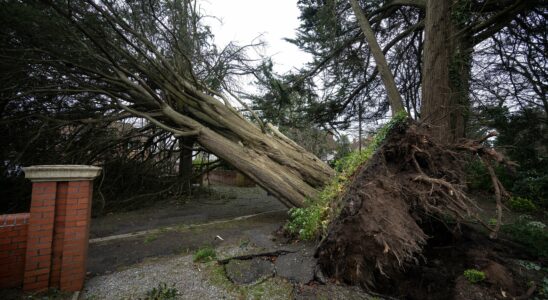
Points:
[250,256]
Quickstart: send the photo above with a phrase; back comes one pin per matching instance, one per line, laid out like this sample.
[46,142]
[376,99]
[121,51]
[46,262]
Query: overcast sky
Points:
[242,21]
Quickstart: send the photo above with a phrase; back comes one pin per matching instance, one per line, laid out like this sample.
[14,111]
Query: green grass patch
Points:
[162,292]
[474,276]
[205,254]
[151,237]
[312,221]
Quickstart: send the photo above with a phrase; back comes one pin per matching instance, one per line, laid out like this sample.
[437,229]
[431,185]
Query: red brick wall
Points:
[58,235]
[48,246]
[13,245]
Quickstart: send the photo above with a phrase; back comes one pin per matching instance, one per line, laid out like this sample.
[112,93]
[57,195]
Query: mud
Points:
[439,273]
[378,228]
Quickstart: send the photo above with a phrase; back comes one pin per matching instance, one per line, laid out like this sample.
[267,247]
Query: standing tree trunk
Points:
[445,73]
[459,80]
[436,104]
[186,173]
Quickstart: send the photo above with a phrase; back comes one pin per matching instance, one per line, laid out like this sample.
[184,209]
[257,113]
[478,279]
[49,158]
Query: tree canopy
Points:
[344,75]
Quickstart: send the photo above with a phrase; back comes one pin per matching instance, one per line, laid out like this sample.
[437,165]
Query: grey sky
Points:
[243,21]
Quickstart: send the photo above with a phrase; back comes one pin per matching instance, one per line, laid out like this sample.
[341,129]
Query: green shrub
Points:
[205,254]
[529,265]
[304,221]
[532,234]
[477,176]
[474,276]
[532,185]
[543,290]
[162,292]
[312,220]
[522,204]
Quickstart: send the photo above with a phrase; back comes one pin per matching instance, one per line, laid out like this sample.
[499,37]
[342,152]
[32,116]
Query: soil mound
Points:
[408,182]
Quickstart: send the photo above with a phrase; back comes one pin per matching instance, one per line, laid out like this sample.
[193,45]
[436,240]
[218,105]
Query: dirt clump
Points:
[444,259]
[388,210]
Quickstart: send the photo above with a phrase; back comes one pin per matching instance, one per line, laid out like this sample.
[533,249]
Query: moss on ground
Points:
[151,237]
[311,221]
[205,254]
[271,288]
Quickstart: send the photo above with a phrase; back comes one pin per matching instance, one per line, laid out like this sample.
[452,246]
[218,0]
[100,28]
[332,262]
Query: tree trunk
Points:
[445,73]
[459,82]
[272,160]
[126,65]
[286,170]
[186,173]
[394,97]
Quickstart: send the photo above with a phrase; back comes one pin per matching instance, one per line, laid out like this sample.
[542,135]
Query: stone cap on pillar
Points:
[61,172]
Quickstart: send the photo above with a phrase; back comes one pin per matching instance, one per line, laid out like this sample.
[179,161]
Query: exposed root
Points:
[250,256]
[411,177]
[498,191]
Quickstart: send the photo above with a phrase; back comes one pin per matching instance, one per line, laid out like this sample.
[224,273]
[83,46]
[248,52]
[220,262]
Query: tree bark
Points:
[445,74]
[186,172]
[140,77]
[459,80]
[436,107]
[394,97]
[272,160]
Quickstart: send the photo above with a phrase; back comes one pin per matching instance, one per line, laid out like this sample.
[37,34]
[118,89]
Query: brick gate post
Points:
[58,231]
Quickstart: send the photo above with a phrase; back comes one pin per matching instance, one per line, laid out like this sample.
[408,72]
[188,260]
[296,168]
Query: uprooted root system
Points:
[408,181]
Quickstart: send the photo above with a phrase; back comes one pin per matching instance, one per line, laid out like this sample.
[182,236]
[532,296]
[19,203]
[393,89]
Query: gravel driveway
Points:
[177,272]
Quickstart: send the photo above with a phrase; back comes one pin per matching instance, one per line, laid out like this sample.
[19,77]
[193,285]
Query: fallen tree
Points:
[411,178]
[135,58]
[143,69]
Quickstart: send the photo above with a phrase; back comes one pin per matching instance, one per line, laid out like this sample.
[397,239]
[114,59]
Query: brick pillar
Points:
[40,236]
[58,233]
[59,236]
